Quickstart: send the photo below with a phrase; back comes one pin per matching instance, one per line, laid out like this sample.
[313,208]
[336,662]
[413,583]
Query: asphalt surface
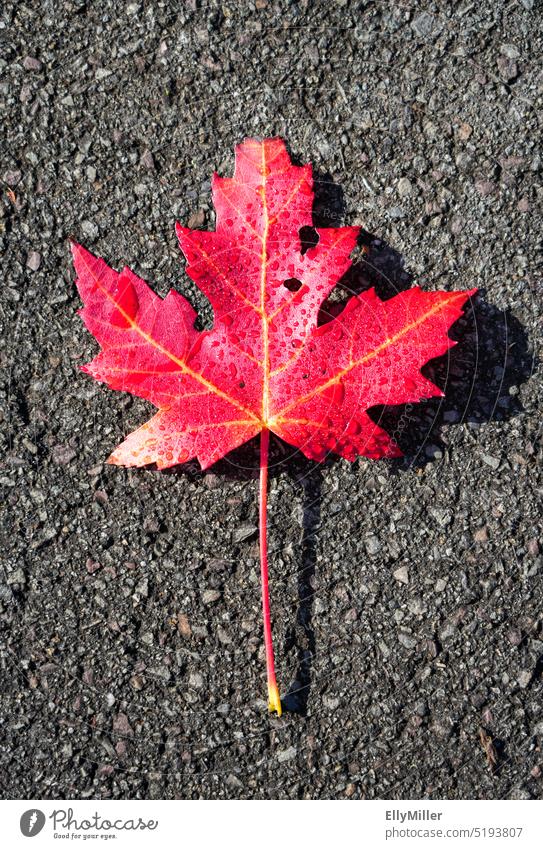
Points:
[406,596]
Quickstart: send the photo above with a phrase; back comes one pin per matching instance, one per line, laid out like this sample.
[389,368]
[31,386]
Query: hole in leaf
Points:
[309,238]
[292,284]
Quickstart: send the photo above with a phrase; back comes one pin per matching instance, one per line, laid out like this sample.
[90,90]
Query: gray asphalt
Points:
[406,596]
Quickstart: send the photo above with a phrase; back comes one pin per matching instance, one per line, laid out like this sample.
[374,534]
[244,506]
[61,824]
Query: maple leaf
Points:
[266,365]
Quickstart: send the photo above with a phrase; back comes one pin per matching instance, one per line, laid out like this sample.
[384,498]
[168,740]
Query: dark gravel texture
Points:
[406,597]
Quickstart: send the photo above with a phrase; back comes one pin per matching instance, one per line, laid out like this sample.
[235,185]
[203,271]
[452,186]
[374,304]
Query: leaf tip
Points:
[75,247]
[181,232]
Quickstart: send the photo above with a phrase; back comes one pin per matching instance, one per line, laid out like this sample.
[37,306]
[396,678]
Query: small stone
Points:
[402,575]
[33,260]
[372,545]
[151,525]
[404,187]
[433,452]
[524,677]
[396,212]
[89,229]
[196,219]
[421,707]
[196,681]
[183,626]
[105,770]
[223,636]
[17,577]
[442,516]
[507,68]
[147,160]
[91,173]
[487,716]
[509,51]
[285,755]
[423,24]
[493,462]
[523,205]
[210,596]
[243,532]
[514,636]
[440,585]
[122,726]
[432,649]
[162,672]
[234,782]
[142,589]
[92,566]
[448,631]
[85,143]
[12,178]
[484,187]
[532,547]
[63,454]
[463,160]
[407,640]
[481,535]
[383,648]
[464,131]
[30,63]
[457,225]
[416,606]
[330,702]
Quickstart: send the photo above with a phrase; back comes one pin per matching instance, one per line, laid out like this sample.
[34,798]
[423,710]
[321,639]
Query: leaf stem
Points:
[274,700]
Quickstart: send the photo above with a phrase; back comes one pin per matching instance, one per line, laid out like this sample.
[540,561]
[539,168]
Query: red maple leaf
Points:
[267,365]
